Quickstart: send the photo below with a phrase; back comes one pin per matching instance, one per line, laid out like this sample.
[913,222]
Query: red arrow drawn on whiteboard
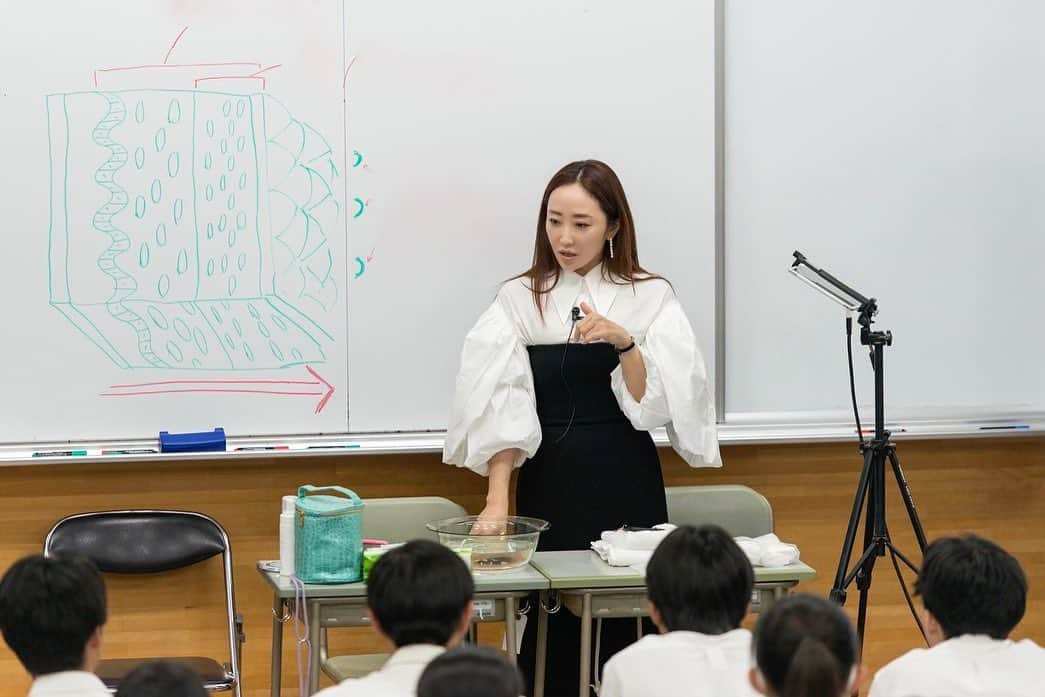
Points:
[316,387]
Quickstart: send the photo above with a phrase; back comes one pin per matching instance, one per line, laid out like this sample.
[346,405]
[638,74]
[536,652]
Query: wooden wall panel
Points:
[993,487]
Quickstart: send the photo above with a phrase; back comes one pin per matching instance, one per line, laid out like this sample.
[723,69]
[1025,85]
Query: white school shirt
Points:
[397,678]
[966,666]
[682,664]
[69,683]
[494,406]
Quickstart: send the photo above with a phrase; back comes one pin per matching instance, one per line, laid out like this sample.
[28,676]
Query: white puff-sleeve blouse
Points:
[494,406]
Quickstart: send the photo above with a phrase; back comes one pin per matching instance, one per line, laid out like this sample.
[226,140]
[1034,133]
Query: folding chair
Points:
[740,510]
[152,542]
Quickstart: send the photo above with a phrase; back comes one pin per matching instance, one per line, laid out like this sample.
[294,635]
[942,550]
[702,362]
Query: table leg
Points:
[585,645]
[768,597]
[314,632]
[509,630]
[277,645]
[542,645]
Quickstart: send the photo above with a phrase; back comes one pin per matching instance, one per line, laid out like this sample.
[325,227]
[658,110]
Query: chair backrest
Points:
[740,510]
[140,541]
[402,519]
[151,541]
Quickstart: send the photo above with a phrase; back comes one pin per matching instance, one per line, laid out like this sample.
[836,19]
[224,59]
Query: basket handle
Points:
[309,490]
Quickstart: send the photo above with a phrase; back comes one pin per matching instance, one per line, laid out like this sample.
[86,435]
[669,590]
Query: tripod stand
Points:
[872,489]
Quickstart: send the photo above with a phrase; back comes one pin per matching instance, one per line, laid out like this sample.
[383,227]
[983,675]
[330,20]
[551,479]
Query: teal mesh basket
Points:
[328,535]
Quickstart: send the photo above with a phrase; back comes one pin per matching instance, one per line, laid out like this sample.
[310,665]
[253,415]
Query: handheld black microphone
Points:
[575,314]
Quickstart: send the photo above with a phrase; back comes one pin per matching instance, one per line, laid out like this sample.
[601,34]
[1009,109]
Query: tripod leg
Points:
[861,621]
[838,589]
[866,568]
[908,500]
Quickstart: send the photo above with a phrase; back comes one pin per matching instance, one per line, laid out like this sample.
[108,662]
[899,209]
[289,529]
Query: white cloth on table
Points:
[638,540]
[637,558]
[494,405]
[768,550]
[630,547]
[635,547]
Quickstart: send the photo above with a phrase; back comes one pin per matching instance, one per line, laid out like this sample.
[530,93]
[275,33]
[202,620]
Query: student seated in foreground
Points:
[52,611]
[470,671]
[805,646]
[162,678]
[974,593]
[420,598]
[699,584]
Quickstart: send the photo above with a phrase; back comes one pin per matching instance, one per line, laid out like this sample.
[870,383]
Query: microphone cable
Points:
[575,315]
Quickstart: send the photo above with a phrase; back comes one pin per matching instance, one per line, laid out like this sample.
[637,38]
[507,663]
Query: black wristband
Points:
[626,348]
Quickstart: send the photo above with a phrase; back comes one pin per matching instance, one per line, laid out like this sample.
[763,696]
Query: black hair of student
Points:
[972,586]
[418,593]
[49,608]
[470,671]
[805,646]
[700,580]
[161,678]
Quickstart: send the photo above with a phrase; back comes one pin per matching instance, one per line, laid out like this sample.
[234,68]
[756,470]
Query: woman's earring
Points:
[611,248]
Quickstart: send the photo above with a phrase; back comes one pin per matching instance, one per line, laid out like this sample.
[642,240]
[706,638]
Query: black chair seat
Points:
[212,674]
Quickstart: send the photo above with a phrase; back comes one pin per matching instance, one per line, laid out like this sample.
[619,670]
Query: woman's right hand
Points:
[495,510]
[492,519]
[497,495]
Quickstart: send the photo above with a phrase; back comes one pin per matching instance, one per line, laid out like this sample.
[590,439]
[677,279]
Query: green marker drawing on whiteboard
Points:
[200,242]
[360,207]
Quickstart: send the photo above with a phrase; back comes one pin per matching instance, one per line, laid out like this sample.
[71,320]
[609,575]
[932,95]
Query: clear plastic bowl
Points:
[491,545]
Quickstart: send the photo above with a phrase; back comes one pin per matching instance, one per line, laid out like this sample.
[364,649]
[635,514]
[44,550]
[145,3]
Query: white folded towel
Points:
[613,556]
[634,548]
[768,550]
[643,540]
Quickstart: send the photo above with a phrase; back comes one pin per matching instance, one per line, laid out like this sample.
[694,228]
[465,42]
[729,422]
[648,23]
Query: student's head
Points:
[583,208]
[699,580]
[805,646]
[970,585]
[51,613]
[421,593]
[470,671]
[161,679]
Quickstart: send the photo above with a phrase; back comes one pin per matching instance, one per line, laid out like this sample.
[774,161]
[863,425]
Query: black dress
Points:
[596,473]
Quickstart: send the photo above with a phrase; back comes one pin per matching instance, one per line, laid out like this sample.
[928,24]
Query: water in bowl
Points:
[496,555]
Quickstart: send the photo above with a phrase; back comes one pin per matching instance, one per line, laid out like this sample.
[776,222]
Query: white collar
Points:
[572,285]
[739,637]
[71,682]
[972,640]
[414,653]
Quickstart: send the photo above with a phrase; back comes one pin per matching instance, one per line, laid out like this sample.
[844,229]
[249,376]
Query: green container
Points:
[328,535]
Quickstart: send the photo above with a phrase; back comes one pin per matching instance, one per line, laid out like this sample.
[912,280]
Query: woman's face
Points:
[576,228]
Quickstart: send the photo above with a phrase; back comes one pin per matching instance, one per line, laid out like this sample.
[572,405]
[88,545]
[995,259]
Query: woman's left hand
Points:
[594,327]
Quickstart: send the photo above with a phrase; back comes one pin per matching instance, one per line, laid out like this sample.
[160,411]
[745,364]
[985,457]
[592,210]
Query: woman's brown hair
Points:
[602,183]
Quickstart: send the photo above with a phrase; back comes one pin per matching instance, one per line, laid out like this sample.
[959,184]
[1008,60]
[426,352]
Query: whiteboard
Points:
[900,146]
[282,218]
[459,114]
[175,219]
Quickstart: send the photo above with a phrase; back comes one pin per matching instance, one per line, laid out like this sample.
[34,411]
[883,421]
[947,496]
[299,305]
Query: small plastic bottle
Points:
[286,537]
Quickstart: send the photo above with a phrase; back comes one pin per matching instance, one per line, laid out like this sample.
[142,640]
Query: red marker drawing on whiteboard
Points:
[344,80]
[175,43]
[317,386]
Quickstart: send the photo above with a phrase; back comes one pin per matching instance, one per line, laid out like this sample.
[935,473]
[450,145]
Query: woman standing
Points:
[576,360]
